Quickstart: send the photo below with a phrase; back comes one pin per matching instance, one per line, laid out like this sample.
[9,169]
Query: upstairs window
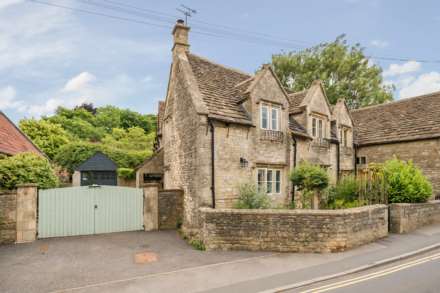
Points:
[344,133]
[318,128]
[270,117]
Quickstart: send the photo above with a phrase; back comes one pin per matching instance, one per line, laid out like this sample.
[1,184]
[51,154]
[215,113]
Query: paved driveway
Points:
[61,263]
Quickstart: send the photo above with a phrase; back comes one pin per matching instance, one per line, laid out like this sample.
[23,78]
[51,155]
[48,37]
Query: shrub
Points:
[26,168]
[346,189]
[251,198]
[405,182]
[311,180]
[197,244]
[126,173]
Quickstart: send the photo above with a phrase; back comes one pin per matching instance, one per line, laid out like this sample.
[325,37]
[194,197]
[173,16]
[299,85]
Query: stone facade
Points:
[170,209]
[293,230]
[406,217]
[8,216]
[152,167]
[424,153]
[18,214]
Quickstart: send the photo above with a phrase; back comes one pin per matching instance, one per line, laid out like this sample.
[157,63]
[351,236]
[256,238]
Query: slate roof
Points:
[98,162]
[403,120]
[295,100]
[297,128]
[217,84]
[13,140]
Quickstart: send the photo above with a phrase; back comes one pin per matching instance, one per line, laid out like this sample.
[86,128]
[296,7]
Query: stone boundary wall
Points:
[8,216]
[170,209]
[293,230]
[407,217]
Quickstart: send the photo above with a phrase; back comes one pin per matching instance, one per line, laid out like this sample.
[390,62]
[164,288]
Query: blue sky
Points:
[52,57]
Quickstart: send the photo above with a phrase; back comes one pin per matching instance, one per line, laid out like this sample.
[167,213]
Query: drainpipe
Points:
[355,158]
[212,163]
[338,160]
[294,164]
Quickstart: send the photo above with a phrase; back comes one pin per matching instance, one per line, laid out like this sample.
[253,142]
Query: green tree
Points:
[311,180]
[344,70]
[71,155]
[26,168]
[49,137]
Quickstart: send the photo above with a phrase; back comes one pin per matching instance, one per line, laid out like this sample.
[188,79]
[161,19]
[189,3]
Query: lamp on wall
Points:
[243,162]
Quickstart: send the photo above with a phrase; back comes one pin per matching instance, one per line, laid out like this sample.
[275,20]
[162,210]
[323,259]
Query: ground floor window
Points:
[269,180]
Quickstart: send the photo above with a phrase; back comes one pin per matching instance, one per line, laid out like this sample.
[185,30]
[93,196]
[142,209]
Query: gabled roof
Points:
[97,162]
[217,84]
[403,120]
[13,140]
[295,100]
[160,116]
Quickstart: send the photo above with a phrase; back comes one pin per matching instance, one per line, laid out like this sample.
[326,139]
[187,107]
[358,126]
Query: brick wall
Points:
[170,204]
[293,230]
[405,217]
[8,202]
[424,153]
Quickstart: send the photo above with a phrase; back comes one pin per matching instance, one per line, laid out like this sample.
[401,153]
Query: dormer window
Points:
[344,136]
[270,117]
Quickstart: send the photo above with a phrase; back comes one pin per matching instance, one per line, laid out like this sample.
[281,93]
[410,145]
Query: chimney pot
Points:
[181,21]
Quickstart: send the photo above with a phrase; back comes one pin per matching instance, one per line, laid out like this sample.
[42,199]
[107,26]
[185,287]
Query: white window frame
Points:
[273,183]
[270,125]
[318,128]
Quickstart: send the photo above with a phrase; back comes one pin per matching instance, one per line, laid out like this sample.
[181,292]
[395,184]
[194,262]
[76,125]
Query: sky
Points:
[52,56]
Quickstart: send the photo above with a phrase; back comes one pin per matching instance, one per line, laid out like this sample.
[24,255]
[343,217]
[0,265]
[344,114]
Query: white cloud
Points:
[379,43]
[6,3]
[423,84]
[399,69]
[79,82]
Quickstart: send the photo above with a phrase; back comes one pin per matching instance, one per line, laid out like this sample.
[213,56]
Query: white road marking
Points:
[373,275]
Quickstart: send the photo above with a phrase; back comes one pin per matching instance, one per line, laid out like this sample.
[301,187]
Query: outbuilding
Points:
[98,169]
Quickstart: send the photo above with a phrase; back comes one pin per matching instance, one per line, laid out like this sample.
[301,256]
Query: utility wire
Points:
[158,16]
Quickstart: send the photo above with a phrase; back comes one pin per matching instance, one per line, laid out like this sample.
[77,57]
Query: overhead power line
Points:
[164,20]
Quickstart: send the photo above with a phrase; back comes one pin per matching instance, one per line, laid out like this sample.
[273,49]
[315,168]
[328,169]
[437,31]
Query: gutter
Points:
[211,125]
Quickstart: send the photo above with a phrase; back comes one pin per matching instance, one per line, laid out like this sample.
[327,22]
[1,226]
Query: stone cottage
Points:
[407,128]
[220,127]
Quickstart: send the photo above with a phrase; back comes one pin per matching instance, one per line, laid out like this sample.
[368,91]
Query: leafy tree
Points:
[71,155]
[311,179]
[405,182]
[127,173]
[49,137]
[344,70]
[26,168]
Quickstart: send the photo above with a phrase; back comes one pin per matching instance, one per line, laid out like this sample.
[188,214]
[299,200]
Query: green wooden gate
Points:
[89,210]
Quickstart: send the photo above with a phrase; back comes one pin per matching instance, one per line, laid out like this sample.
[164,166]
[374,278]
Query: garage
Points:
[98,169]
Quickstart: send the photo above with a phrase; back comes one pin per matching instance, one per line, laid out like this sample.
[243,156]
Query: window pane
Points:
[261,179]
[269,181]
[274,119]
[278,181]
[313,126]
[264,117]
[320,128]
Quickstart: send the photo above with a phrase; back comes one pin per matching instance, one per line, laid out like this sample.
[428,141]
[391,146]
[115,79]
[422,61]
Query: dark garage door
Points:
[99,178]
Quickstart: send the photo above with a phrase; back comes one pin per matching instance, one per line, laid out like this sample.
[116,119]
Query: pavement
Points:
[163,262]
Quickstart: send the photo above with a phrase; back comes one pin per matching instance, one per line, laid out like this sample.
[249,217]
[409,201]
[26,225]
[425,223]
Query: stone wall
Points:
[405,217]
[424,153]
[293,230]
[8,217]
[170,204]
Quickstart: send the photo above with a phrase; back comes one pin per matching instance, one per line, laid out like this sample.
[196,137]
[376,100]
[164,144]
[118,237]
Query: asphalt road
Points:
[419,274]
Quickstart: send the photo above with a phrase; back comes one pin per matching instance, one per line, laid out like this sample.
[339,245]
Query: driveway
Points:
[62,263]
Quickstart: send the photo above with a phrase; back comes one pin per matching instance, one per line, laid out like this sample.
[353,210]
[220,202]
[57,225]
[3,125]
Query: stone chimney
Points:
[180,35]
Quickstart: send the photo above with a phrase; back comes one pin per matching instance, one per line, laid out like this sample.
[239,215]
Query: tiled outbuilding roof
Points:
[13,140]
[403,120]
[297,128]
[218,87]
